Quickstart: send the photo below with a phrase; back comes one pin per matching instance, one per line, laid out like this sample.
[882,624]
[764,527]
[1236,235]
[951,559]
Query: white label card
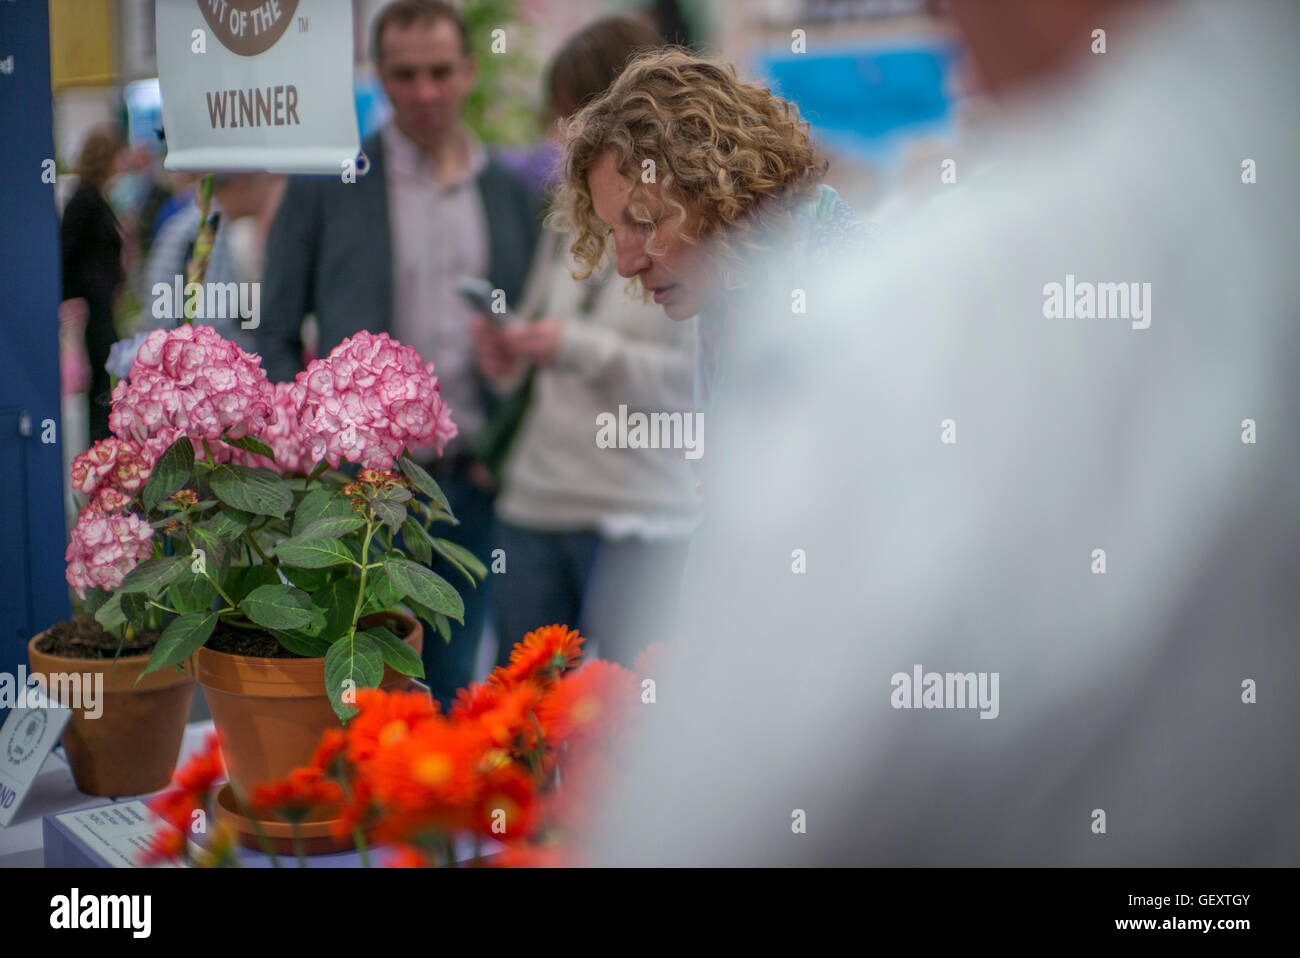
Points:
[25,742]
[117,833]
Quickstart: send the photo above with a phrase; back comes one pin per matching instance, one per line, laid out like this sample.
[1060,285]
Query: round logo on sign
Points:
[248,27]
[24,741]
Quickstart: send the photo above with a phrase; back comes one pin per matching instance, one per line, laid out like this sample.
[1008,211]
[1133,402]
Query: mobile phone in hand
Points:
[478,293]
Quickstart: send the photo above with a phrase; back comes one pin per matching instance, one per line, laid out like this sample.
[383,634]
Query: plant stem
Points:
[297,845]
[257,826]
[274,563]
[360,840]
[361,592]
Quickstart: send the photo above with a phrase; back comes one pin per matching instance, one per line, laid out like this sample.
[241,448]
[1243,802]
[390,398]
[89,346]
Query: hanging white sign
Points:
[257,85]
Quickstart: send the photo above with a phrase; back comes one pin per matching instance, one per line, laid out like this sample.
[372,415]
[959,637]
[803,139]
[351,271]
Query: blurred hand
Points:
[495,356]
[537,341]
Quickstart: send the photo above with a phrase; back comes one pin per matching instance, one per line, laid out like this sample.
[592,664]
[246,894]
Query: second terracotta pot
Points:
[272,712]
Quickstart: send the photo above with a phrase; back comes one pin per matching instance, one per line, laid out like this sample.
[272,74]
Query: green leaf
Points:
[280,607]
[462,559]
[135,607]
[351,665]
[251,444]
[339,600]
[385,588]
[443,626]
[95,599]
[424,482]
[417,540]
[397,654]
[316,554]
[170,473]
[252,489]
[110,614]
[253,577]
[393,514]
[316,505]
[190,592]
[181,639]
[422,610]
[381,593]
[330,527]
[216,553]
[309,580]
[228,524]
[301,643]
[152,575]
[425,586]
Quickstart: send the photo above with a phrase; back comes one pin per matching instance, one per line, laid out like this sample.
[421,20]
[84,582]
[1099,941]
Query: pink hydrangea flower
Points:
[291,443]
[104,548]
[370,399]
[109,470]
[189,381]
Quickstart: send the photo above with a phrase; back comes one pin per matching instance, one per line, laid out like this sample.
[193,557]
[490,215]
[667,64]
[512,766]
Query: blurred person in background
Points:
[595,537]
[236,257]
[181,187]
[91,241]
[384,253]
[948,473]
[707,187]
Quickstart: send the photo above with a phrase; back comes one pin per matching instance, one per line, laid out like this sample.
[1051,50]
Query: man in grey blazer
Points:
[382,254]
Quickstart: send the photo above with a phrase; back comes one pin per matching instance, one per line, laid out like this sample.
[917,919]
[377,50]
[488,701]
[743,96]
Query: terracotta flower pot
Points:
[272,712]
[131,748]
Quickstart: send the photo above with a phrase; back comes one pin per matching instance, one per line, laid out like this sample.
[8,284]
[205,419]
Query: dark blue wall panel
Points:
[33,594]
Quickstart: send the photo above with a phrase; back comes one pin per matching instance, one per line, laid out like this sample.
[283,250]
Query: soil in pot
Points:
[84,638]
[254,642]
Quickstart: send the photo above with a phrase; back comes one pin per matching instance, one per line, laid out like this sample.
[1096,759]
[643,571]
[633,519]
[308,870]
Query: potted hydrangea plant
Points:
[125,743]
[278,530]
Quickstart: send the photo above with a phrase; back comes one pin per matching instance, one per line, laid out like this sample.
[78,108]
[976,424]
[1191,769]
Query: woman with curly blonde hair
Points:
[705,184]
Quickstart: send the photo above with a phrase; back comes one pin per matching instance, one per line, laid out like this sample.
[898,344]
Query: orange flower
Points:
[175,806]
[357,811]
[545,653]
[385,718]
[328,752]
[407,857]
[595,701]
[203,770]
[532,856]
[165,845]
[500,711]
[431,767]
[507,806]
[295,796]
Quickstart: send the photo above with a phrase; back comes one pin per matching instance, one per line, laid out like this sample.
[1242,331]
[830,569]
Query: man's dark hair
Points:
[403,13]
